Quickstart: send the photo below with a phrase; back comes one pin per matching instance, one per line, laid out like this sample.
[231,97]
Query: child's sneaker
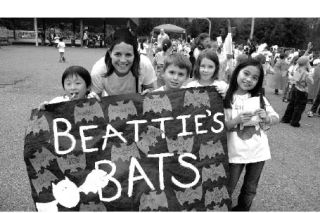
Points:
[310,114]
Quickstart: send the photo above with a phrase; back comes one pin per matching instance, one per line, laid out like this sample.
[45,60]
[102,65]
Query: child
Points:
[299,93]
[61,46]
[176,71]
[206,72]
[76,82]
[247,143]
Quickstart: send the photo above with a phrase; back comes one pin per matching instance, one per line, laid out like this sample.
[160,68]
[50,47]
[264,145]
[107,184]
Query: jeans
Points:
[295,107]
[250,183]
[316,103]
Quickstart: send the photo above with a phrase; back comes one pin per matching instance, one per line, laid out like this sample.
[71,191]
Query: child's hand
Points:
[94,95]
[146,91]
[221,88]
[263,115]
[244,117]
[43,105]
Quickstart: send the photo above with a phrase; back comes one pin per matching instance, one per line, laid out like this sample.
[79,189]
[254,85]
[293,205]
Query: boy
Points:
[176,70]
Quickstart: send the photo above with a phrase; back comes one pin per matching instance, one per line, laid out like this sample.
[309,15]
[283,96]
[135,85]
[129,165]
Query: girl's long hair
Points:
[233,86]
[123,35]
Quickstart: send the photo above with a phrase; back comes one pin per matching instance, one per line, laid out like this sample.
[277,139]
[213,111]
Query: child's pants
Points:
[295,107]
[250,183]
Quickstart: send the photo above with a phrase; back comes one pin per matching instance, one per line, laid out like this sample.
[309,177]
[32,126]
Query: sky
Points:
[160,8]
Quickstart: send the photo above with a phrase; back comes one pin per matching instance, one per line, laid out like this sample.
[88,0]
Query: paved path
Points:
[30,75]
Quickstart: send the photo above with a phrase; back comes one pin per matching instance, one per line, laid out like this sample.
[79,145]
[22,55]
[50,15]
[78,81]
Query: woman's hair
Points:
[123,35]
[211,55]
[233,85]
[77,71]
[179,60]
[166,44]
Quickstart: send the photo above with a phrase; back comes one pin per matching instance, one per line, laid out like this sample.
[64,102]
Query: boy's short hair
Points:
[178,60]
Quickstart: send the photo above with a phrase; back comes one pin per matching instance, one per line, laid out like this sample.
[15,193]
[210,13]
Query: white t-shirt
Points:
[115,85]
[250,144]
[61,46]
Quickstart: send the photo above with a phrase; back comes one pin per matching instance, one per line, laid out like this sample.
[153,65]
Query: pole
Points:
[36,30]
[252,28]
[209,26]
[81,32]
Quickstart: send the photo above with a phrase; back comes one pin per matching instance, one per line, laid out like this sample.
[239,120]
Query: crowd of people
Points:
[238,72]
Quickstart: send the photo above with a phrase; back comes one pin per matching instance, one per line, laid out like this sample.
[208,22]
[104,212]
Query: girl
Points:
[245,119]
[76,82]
[122,70]
[206,72]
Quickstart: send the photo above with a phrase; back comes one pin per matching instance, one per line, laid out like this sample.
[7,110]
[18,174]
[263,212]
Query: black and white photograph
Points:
[106,108]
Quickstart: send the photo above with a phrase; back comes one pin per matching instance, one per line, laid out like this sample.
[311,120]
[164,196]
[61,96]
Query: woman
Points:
[122,70]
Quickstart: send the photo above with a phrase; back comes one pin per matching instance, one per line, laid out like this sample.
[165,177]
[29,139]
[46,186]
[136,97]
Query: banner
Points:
[164,151]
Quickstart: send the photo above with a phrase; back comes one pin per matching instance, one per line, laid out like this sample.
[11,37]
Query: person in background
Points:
[61,48]
[142,47]
[162,36]
[299,97]
[85,39]
[316,84]
[266,68]
[158,60]
[287,91]
[202,42]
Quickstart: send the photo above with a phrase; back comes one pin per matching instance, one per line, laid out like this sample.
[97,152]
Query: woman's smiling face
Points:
[122,57]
